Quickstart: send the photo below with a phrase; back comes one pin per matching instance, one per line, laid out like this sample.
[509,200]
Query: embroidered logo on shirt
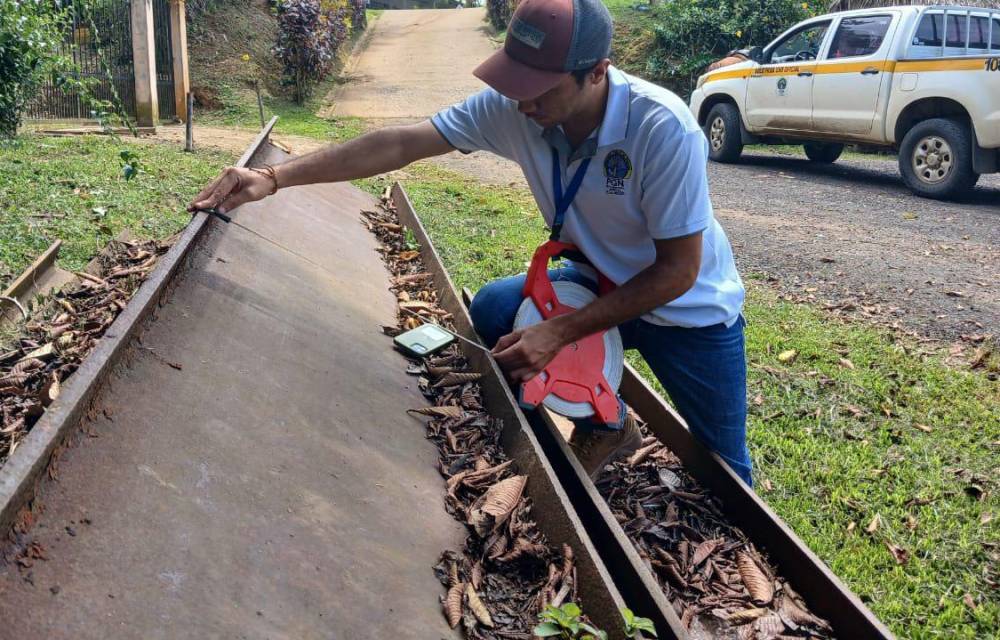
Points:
[617,169]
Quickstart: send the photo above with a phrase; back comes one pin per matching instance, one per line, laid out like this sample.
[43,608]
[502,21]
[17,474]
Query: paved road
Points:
[415,63]
[852,236]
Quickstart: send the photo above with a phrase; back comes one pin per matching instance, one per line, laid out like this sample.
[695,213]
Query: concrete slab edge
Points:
[21,474]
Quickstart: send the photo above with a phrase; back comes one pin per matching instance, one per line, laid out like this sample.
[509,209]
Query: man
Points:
[640,215]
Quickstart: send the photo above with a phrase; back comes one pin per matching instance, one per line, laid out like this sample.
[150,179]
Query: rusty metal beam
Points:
[826,595]
[19,476]
[552,510]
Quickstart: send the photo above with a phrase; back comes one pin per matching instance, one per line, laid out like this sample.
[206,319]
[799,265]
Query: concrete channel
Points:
[272,486]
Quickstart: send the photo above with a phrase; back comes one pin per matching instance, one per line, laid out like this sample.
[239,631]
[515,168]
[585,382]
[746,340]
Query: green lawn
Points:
[240,110]
[72,189]
[835,446]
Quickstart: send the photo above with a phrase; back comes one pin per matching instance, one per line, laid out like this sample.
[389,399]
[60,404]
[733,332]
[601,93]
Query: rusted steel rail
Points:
[552,507]
[19,476]
[826,595]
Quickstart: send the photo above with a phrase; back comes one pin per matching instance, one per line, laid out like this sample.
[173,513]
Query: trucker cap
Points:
[547,39]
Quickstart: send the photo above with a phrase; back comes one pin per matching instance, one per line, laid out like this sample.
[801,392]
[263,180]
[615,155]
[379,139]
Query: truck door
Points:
[848,80]
[779,93]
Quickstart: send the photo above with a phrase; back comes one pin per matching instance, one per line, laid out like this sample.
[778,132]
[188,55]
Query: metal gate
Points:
[164,60]
[104,30]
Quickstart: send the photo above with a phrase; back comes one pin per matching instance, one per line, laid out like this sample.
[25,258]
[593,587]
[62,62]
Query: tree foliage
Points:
[30,31]
[309,34]
[499,12]
[690,34]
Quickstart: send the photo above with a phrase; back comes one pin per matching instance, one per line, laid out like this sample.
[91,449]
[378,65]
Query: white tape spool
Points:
[577,296]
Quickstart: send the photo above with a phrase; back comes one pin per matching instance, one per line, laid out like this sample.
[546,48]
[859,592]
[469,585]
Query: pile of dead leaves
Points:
[507,572]
[717,581]
[62,331]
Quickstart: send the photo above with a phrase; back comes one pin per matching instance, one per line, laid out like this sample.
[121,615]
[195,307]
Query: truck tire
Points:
[823,152]
[936,159]
[722,128]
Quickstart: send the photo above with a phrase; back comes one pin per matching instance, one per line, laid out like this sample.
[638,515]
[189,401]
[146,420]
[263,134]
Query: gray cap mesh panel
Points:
[591,41]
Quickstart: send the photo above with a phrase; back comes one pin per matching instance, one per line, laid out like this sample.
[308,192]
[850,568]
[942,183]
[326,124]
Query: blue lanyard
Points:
[564,200]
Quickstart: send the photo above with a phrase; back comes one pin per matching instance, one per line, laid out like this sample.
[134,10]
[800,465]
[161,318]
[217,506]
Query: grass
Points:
[219,42]
[834,432]
[72,189]
[240,110]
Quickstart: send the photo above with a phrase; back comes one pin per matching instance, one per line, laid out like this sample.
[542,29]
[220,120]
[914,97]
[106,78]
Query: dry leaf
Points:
[923,427]
[788,355]
[406,256]
[851,525]
[437,372]
[969,601]
[703,550]
[453,604]
[757,584]
[769,626]
[641,454]
[874,524]
[501,498]
[847,364]
[439,412]
[478,608]
[985,518]
[745,616]
[453,379]
[901,555]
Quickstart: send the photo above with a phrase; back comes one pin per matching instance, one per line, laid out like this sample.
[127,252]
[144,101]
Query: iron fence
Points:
[99,42]
[164,60]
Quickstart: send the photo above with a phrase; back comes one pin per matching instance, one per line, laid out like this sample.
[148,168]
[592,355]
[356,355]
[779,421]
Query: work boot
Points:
[597,448]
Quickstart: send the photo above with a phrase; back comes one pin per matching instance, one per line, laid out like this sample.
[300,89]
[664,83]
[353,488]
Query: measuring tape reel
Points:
[582,380]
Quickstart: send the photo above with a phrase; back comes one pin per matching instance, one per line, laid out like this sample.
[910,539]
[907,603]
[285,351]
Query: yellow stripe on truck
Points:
[888,66]
[953,64]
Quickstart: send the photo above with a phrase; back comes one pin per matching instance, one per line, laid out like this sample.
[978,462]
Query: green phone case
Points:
[424,340]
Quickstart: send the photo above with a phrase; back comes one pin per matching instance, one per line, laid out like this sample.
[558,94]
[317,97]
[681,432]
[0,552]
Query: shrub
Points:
[30,31]
[690,34]
[309,34]
[499,12]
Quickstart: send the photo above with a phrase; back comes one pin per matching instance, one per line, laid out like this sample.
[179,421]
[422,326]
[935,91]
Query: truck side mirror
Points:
[756,54]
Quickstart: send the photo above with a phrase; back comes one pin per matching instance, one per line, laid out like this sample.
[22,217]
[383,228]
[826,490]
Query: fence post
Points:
[147,111]
[179,49]
[189,123]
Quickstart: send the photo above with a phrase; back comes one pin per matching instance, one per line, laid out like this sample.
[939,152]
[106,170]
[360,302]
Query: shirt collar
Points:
[614,125]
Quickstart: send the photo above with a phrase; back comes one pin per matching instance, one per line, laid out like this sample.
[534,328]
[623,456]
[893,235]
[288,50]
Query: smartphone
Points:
[424,340]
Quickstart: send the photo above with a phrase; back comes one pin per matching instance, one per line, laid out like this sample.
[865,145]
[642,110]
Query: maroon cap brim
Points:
[516,80]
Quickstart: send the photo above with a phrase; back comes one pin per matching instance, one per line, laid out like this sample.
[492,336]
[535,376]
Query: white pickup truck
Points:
[924,81]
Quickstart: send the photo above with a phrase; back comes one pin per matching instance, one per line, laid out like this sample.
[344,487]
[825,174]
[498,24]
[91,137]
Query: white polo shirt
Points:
[647,180]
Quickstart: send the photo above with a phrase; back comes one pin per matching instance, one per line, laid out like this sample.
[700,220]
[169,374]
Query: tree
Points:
[30,32]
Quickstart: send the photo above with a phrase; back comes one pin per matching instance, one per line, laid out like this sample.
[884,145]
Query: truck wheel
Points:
[822,152]
[722,128]
[936,159]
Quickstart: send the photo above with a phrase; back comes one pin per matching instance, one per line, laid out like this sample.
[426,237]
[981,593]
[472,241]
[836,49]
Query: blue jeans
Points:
[703,370]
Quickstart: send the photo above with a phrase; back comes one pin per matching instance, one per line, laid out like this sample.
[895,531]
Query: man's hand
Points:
[524,353]
[231,189]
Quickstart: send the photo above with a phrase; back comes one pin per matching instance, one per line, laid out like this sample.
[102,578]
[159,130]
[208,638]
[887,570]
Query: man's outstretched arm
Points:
[377,152]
